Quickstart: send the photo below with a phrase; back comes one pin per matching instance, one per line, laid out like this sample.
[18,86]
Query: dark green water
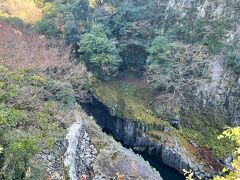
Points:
[166,172]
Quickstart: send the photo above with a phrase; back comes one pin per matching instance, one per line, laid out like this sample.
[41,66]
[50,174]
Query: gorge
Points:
[115,128]
[119,89]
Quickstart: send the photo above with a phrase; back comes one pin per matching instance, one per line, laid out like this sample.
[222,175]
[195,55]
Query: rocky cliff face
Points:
[204,79]
[112,159]
[222,91]
[88,152]
[214,93]
[198,24]
[135,134]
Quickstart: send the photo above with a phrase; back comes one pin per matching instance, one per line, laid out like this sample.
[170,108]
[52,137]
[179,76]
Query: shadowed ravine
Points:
[100,113]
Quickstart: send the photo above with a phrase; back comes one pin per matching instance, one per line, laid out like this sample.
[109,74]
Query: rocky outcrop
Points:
[113,160]
[88,152]
[72,140]
[134,134]
[131,168]
[170,154]
[84,158]
[79,154]
[221,91]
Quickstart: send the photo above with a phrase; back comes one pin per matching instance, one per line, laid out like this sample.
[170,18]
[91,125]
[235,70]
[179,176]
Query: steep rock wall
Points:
[134,135]
[136,23]
[222,91]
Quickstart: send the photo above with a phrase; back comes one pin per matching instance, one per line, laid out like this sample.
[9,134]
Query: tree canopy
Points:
[99,52]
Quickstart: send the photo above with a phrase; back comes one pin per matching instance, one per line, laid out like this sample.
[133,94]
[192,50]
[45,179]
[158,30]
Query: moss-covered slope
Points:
[32,111]
[130,99]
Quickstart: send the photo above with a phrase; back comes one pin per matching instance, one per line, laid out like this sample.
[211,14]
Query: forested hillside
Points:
[162,77]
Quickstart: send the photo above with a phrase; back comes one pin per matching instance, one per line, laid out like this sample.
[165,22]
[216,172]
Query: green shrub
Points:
[99,53]
[159,63]
[234,61]
[61,92]
[47,27]
[71,34]
[28,122]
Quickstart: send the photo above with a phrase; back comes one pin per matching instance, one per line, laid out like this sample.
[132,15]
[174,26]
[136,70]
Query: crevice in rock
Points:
[79,154]
[128,134]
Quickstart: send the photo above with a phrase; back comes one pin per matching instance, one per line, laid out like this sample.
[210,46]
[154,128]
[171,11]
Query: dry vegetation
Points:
[19,50]
[30,51]
[23,9]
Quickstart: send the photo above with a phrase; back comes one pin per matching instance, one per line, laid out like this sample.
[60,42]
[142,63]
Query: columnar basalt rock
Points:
[113,160]
[134,134]
[222,91]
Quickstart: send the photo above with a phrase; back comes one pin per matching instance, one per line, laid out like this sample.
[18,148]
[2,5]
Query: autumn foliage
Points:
[26,10]
[29,50]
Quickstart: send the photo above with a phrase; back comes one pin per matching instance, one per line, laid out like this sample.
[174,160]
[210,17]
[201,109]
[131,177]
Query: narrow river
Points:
[166,172]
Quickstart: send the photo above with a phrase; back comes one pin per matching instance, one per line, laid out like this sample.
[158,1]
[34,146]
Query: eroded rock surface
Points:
[112,159]
[92,153]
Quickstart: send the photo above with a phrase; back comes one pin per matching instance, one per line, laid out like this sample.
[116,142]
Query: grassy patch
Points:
[159,135]
[207,138]
[127,100]
[114,156]
[204,118]
[204,128]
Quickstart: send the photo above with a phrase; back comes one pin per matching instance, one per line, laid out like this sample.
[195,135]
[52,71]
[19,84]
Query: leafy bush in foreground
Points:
[29,120]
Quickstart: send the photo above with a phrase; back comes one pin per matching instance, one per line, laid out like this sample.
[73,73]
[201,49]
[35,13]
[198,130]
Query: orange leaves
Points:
[120,177]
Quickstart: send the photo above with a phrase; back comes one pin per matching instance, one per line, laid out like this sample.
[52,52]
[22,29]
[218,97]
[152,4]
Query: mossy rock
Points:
[127,101]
